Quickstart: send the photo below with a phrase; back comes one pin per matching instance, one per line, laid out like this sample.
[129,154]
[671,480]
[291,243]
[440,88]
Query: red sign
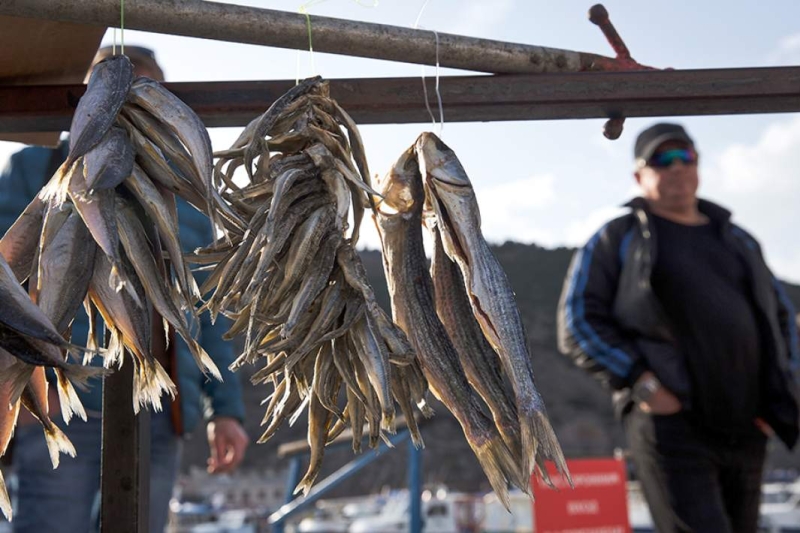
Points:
[597,504]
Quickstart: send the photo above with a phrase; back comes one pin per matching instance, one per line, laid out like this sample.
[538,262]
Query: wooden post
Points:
[125,467]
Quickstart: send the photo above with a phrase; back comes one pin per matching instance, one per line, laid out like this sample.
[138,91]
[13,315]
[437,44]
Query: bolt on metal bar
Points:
[251,25]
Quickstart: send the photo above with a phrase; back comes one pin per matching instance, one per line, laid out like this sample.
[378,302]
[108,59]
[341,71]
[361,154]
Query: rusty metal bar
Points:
[466,98]
[125,466]
[251,25]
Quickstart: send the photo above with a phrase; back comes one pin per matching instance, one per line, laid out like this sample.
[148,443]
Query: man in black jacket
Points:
[673,307]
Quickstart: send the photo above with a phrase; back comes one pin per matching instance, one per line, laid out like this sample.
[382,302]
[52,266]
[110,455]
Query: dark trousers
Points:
[695,482]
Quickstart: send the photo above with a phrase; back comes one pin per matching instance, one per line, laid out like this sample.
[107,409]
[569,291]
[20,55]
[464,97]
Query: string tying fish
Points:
[121,31]
[424,87]
[303,9]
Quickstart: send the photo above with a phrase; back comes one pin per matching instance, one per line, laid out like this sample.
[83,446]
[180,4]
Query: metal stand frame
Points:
[293,505]
[565,93]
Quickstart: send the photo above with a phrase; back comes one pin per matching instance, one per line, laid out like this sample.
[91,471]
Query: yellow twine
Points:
[303,9]
[122,27]
[121,31]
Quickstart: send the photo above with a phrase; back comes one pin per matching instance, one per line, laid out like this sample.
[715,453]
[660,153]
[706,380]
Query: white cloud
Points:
[579,231]
[787,51]
[759,183]
[534,192]
[510,211]
[769,166]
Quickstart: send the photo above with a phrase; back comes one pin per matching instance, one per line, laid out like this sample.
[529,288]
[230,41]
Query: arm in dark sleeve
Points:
[20,180]
[786,312]
[788,324]
[587,331]
[225,396]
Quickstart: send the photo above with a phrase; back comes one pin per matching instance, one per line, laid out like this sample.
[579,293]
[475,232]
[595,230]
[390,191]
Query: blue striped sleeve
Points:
[614,359]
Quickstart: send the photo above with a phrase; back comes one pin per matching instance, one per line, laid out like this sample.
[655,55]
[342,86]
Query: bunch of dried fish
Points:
[30,339]
[104,233]
[294,285]
[463,323]
[133,144]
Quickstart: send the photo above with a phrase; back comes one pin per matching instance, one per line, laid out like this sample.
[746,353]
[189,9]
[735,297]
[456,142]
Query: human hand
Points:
[661,401]
[227,442]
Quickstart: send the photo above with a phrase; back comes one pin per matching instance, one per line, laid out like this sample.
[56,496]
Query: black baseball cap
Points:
[655,136]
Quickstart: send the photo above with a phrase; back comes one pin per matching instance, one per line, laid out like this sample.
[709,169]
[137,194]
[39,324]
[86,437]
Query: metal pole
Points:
[414,488]
[466,98]
[251,25]
[334,480]
[292,479]
[125,463]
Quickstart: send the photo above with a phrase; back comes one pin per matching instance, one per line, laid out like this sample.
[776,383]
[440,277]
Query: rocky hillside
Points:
[579,408]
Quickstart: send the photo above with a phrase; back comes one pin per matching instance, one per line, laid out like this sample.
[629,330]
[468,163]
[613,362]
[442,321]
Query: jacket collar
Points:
[715,212]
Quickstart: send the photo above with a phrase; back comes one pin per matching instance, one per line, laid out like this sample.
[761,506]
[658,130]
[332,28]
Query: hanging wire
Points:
[303,9]
[122,27]
[438,94]
[121,31]
[424,87]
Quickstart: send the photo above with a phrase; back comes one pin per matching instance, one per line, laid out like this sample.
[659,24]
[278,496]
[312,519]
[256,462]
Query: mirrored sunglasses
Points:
[665,159]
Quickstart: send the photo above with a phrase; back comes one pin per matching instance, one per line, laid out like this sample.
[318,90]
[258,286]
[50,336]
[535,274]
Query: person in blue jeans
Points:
[66,500]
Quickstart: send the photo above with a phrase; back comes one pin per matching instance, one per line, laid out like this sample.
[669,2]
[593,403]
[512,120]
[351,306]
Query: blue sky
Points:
[554,182]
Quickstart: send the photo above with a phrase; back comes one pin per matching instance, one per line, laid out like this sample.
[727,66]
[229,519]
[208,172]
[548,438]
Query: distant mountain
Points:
[579,408]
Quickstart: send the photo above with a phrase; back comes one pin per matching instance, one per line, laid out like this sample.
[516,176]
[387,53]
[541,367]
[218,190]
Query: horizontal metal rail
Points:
[335,479]
[465,98]
[252,25]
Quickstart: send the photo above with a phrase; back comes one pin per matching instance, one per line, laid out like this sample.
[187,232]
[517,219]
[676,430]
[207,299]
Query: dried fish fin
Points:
[150,381]
[68,398]
[319,423]
[402,394]
[492,455]
[115,350]
[57,443]
[91,337]
[5,501]
[55,439]
[546,444]
[355,412]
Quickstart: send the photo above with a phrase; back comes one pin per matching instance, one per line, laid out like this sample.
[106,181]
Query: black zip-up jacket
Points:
[612,325]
